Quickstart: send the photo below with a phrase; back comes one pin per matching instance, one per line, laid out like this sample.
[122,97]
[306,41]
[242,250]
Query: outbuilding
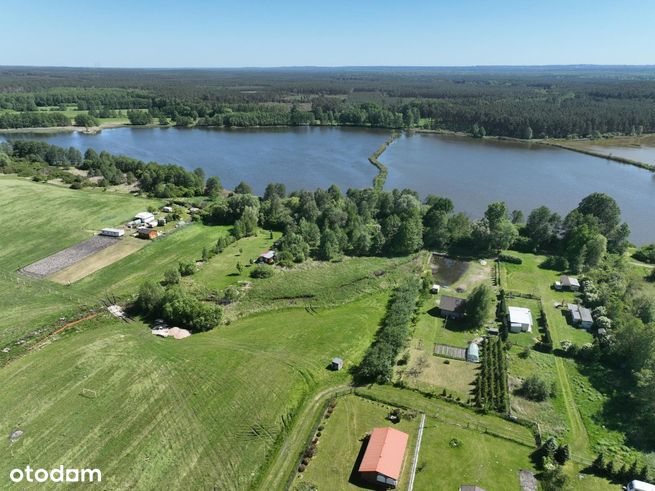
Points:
[147,233]
[435,288]
[337,364]
[452,307]
[267,257]
[580,316]
[520,319]
[167,209]
[112,232]
[473,353]
[568,283]
[144,216]
[382,462]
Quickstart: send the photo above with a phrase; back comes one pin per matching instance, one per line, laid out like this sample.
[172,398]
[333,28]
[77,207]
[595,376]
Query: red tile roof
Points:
[385,452]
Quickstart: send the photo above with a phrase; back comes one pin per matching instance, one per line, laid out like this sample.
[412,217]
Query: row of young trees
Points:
[491,389]
[392,336]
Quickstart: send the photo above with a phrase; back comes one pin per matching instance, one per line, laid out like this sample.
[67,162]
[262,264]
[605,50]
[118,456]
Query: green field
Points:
[206,411]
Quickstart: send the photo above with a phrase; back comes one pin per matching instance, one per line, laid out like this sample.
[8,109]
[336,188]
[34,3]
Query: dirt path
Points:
[284,462]
[62,329]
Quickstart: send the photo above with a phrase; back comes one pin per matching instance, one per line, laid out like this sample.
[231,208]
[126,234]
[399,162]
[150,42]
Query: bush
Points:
[557,263]
[534,388]
[171,277]
[506,258]
[646,254]
[186,268]
[651,276]
[261,271]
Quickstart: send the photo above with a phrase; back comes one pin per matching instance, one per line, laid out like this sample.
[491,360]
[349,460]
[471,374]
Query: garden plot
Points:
[69,256]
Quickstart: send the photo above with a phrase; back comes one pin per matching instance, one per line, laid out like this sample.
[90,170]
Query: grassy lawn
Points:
[319,285]
[548,414]
[218,400]
[428,372]
[480,459]
[335,464]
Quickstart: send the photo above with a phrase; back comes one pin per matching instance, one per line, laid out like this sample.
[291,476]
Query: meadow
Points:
[200,413]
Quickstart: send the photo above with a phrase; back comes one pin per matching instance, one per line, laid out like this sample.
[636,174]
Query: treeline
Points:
[165,181]
[391,338]
[514,102]
[37,119]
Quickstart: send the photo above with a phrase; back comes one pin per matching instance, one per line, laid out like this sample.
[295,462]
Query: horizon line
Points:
[281,67]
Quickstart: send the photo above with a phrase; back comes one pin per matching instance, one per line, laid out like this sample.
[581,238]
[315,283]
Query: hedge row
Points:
[379,360]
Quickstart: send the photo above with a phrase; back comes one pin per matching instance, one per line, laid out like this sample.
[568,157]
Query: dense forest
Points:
[535,102]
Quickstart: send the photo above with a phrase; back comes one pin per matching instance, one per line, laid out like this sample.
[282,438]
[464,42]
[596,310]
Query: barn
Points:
[383,459]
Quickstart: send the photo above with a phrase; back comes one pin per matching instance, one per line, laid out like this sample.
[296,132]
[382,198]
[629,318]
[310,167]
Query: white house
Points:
[520,319]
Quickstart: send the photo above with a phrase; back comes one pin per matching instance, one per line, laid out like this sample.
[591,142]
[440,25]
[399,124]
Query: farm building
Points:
[337,364]
[267,257]
[112,232]
[147,233]
[383,458]
[520,319]
[580,316]
[452,307]
[144,216]
[473,353]
[567,283]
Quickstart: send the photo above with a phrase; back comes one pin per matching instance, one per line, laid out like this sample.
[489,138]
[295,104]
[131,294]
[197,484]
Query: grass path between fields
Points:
[282,466]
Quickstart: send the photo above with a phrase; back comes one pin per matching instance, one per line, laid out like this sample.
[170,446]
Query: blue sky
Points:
[200,33]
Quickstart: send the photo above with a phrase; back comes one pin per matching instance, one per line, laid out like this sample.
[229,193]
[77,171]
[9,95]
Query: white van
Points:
[640,486]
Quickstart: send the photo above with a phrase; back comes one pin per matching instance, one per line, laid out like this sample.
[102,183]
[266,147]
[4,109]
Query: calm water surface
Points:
[470,172]
[473,173]
[301,158]
[642,153]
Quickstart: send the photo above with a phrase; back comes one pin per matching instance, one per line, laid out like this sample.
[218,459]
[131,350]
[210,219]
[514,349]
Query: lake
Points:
[305,157]
[641,153]
[474,172]
[471,172]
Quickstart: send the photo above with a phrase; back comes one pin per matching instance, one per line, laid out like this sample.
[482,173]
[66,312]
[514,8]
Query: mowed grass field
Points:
[39,220]
[203,413]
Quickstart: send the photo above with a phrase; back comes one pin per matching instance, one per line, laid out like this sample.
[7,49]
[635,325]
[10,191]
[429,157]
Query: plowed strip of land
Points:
[97,261]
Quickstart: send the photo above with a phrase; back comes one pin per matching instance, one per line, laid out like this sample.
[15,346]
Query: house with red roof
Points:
[383,459]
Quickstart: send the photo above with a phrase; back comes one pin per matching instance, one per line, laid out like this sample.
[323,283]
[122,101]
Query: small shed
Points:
[473,353]
[580,316]
[147,233]
[568,283]
[452,307]
[267,257]
[337,364]
[167,209]
[435,288]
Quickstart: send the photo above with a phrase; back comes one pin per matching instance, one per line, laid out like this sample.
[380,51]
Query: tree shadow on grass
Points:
[617,411]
